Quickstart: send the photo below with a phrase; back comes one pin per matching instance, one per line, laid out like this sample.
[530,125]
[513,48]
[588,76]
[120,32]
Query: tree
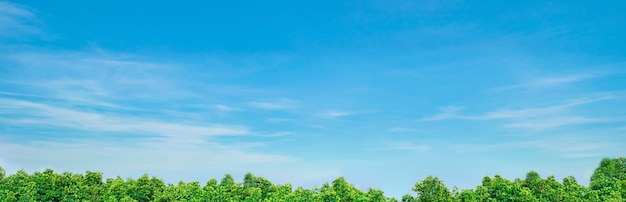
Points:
[432,189]
[607,177]
[608,183]
[115,189]
[227,189]
[88,187]
[303,195]
[375,195]
[573,191]
[2,173]
[407,198]
[250,182]
[500,189]
[20,187]
[470,195]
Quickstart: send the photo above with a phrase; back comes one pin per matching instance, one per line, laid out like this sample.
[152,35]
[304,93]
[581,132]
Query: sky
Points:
[383,93]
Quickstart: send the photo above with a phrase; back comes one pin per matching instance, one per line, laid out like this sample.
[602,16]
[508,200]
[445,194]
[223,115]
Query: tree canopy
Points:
[608,183]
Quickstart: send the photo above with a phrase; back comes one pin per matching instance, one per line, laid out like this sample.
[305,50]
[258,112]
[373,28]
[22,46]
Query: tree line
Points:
[608,183]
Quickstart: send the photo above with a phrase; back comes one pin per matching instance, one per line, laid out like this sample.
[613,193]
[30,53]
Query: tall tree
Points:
[432,189]
[609,178]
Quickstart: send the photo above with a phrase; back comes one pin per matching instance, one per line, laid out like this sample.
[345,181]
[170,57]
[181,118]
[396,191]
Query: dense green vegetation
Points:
[608,183]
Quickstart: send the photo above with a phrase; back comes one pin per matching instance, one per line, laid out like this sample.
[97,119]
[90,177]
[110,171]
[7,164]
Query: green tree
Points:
[432,189]
[20,187]
[303,195]
[346,191]
[252,183]
[573,191]
[608,183]
[115,189]
[326,193]
[2,173]
[228,190]
[376,195]
[408,198]
[500,189]
[606,179]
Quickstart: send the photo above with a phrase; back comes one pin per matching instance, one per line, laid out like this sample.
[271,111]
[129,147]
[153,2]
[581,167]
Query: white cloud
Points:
[401,130]
[547,82]
[100,80]
[148,155]
[449,112]
[528,118]
[47,115]
[278,120]
[164,148]
[277,134]
[552,122]
[538,111]
[9,9]
[85,62]
[224,108]
[333,114]
[16,21]
[276,105]
[404,146]
[569,146]
[336,114]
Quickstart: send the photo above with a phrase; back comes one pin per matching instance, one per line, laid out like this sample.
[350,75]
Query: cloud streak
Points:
[449,112]
[281,104]
[568,146]
[549,82]
[224,108]
[30,113]
[527,118]
[16,21]
[149,155]
[401,130]
[334,114]
[404,146]
[553,122]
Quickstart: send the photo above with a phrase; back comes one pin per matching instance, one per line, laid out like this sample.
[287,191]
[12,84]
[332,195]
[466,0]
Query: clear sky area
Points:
[383,93]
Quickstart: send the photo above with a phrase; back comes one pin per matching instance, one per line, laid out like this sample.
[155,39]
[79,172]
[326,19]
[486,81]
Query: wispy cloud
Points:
[334,114]
[274,105]
[544,123]
[224,108]
[401,130]
[149,155]
[16,21]
[277,134]
[279,120]
[404,146]
[569,146]
[77,91]
[9,9]
[449,112]
[17,112]
[96,79]
[538,111]
[92,59]
[547,82]
[527,118]
[337,114]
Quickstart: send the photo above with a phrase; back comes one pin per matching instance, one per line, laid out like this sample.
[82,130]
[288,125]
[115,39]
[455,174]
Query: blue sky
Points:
[383,93]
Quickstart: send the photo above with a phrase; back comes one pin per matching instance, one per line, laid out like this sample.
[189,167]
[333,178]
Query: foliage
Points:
[608,183]
[432,189]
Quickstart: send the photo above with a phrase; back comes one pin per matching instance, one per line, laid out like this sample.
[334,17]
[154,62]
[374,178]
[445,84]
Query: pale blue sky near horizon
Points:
[383,93]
